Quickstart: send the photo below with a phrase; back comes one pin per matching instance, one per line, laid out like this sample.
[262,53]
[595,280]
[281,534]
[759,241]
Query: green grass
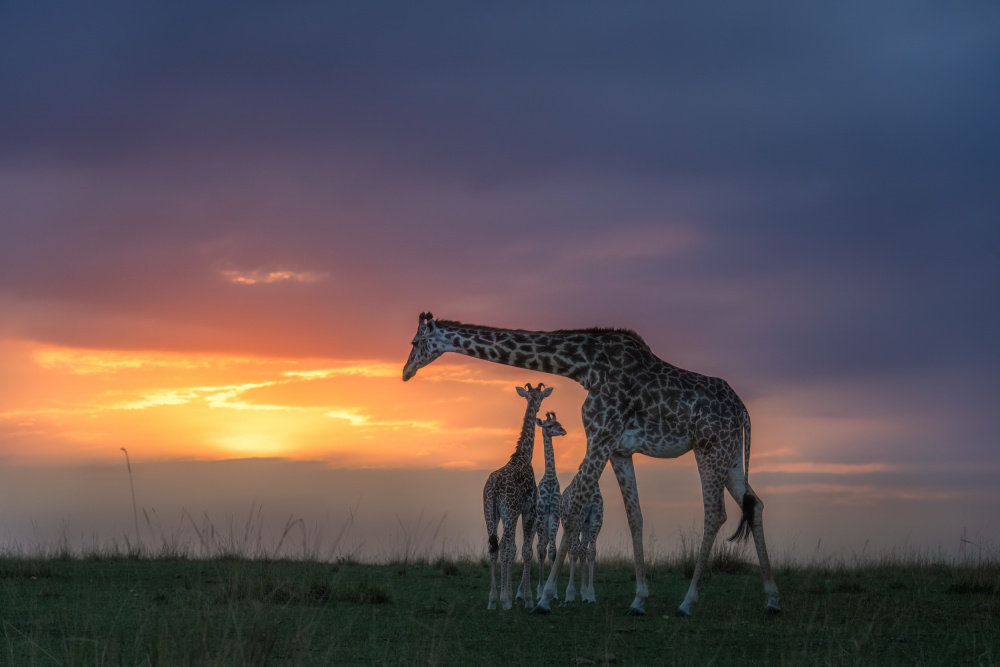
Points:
[120,610]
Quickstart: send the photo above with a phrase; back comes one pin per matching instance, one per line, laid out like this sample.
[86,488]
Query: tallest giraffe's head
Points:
[428,345]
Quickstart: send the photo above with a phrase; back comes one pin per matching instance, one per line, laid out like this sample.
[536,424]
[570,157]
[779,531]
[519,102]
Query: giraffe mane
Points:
[592,331]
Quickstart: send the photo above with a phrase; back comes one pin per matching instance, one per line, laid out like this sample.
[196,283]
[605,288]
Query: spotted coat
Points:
[549,499]
[509,494]
[636,404]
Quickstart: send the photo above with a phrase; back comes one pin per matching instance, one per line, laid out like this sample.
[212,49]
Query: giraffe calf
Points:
[549,500]
[509,494]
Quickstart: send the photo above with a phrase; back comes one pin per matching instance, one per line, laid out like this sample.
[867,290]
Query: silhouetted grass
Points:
[228,610]
[201,594]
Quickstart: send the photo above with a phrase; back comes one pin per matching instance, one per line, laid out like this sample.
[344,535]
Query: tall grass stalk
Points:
[135,507]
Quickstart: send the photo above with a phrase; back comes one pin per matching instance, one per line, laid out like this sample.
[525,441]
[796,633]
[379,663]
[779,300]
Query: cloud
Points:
[261,277]
[829,468]
[356,418]
[367,369]
[91,362]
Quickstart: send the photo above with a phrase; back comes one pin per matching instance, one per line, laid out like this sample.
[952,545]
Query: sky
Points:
[220,221]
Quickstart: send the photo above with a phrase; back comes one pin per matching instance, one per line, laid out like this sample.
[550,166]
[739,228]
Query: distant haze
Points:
[389,513]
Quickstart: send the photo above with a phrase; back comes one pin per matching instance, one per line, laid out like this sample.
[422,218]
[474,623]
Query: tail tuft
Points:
[745,528]
[494,544]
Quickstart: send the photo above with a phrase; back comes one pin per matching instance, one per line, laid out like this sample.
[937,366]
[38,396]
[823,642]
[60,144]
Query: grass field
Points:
[115,610]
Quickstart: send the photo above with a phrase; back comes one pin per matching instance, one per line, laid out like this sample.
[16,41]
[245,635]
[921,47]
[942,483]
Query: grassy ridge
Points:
[112,610]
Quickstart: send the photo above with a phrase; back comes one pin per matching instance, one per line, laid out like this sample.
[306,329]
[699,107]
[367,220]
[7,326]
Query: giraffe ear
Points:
[547,391]
[539,421]
[521,392]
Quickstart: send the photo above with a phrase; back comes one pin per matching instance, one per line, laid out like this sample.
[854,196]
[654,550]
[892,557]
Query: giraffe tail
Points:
[746,446]
[494,544]
[745,527]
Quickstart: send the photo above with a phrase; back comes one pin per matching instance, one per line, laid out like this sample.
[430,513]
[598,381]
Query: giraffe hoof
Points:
[771,610]
[633,611]
[539,609]
[680,613]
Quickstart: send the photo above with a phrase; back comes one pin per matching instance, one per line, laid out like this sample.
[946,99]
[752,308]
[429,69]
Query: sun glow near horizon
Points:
[74,404]
[77,405]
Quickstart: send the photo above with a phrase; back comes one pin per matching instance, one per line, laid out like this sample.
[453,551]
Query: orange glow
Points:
[78,405]
[75,405]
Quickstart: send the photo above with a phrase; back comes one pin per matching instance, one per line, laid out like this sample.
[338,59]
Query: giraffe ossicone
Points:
[509,494]
[636,404]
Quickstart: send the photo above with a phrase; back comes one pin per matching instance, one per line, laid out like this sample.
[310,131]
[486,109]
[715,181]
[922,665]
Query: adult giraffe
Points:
[636,404]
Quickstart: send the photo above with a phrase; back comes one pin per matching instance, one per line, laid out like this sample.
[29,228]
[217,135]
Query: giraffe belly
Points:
[641,441]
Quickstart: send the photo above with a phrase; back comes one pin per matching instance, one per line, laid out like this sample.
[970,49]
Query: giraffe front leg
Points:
[587,593]
[587,590]
[543,543]
[625,474]
[595,522]
[570,587]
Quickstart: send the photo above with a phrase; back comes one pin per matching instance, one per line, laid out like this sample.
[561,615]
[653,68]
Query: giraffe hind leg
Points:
[752,522]
[493,544]
[712,483]
[494,547]
[593,530]
[507,552]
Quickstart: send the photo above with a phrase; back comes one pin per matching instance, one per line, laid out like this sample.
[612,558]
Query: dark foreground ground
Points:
[121,611]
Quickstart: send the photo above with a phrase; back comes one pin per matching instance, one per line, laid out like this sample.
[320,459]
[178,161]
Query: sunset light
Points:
[220,226]
[208,406]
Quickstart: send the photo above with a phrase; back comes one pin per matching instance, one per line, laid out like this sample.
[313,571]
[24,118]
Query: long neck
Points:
[525,449]
[550,455]
[572,354]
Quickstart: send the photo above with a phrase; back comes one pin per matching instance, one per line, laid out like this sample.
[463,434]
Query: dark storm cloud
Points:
[507,91]
[837,164]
